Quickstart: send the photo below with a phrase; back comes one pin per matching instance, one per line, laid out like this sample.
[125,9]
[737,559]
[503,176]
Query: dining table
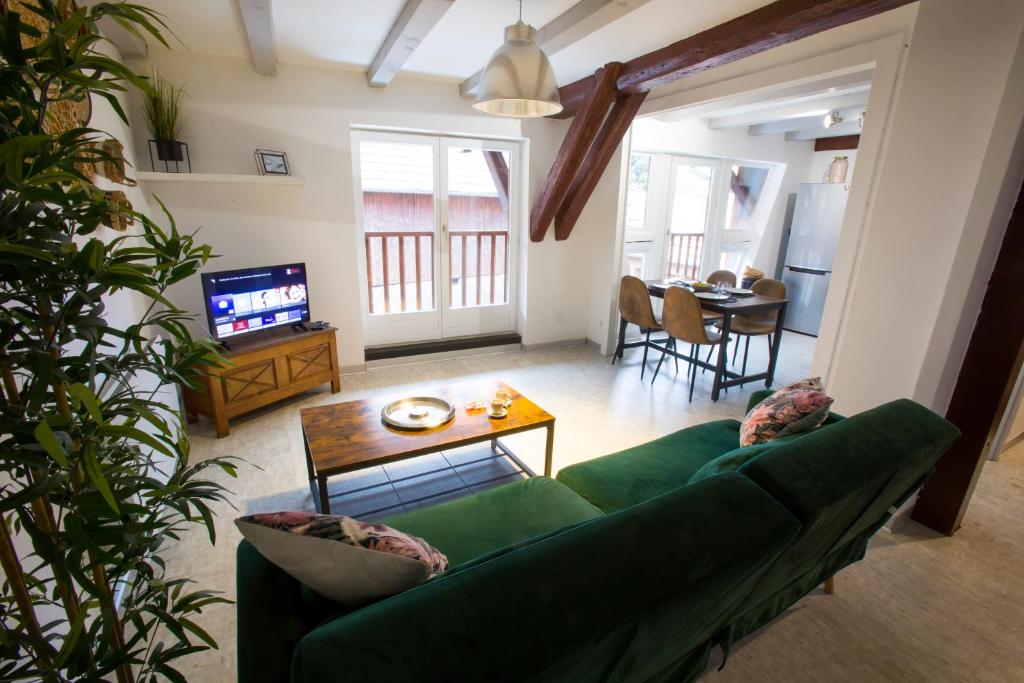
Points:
[736,304]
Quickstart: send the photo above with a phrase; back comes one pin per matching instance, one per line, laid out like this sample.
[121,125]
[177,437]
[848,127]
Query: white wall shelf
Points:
[237,179]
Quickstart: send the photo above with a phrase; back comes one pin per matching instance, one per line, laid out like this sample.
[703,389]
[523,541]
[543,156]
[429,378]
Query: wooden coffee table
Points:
[343,437]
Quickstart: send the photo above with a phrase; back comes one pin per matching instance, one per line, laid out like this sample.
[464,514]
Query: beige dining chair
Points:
[683,320]
[635,307]
[757,324]
[726,276]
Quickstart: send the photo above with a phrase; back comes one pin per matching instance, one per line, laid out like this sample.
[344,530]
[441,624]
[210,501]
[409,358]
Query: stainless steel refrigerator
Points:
[813,237]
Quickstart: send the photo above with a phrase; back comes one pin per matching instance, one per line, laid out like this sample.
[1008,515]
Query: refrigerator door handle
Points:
[812,271]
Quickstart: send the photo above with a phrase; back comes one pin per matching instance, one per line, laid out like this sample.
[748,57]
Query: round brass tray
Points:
[418,412]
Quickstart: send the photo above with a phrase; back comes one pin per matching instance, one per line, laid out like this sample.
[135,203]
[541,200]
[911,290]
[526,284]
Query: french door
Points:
[437,218]
[691,217]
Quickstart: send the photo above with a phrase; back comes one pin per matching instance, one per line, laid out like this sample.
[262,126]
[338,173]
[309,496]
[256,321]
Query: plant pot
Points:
[170,150]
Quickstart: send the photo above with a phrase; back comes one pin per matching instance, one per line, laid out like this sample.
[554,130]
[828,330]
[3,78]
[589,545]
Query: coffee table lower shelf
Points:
[499,451]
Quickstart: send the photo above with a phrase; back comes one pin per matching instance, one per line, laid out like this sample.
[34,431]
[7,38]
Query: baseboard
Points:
[442,355]
[593,345]
[375,353]
[355,369]
[901,516]
[544,346]
[1012,442]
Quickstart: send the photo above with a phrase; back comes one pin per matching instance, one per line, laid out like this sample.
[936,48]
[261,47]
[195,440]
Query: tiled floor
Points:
[380,492]
[920,607]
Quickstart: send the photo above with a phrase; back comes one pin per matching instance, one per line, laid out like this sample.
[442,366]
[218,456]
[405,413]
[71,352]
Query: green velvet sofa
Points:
[622,569]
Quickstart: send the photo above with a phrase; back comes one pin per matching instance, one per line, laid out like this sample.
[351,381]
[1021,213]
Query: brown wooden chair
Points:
[726,276]
[635,307]
[683,320]
[757,324]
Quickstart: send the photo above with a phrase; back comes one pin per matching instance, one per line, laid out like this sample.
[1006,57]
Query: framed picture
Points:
[269,162]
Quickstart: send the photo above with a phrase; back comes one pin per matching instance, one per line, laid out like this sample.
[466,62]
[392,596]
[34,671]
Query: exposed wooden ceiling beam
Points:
[778,23]
[577,143]
[569,27]
[596,161]
[258,17]
[415,21]
[838,143]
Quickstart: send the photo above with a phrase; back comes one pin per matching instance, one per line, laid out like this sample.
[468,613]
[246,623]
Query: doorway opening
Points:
[755,185]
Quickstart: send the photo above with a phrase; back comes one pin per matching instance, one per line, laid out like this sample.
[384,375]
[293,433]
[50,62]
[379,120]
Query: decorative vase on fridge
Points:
[837,170]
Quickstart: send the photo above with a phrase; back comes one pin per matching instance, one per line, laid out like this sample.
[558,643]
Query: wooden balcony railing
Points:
[470,249]
[400,269]
[684,254]
[380,269]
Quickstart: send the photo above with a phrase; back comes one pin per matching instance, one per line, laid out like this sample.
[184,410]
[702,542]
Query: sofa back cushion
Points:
[634,595]
[841,481]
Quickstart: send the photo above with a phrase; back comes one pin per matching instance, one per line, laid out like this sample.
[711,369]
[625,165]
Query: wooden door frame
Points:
[987,377]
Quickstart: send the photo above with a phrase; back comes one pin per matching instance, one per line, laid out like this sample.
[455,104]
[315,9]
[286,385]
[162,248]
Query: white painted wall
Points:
[306,112]
[126,307]
[556,275]
[940,205]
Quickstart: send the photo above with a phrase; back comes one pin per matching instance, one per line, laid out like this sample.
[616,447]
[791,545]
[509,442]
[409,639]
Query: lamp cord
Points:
[520,10]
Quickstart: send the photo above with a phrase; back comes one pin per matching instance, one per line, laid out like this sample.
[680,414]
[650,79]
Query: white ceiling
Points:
[347,33]
[798,110]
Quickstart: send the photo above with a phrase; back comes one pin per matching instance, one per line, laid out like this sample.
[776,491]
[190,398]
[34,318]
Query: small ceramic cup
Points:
[497,406]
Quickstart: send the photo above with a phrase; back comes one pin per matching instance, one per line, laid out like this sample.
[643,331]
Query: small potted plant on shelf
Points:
[162,113]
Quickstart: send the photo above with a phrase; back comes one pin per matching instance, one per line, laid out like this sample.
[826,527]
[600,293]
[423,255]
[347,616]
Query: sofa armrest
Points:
[271,617]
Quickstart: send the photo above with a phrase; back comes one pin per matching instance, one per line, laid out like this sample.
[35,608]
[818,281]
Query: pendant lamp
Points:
[518,80]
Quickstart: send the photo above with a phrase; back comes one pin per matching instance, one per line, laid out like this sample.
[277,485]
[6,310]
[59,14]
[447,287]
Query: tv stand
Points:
[264,370]
[300,327]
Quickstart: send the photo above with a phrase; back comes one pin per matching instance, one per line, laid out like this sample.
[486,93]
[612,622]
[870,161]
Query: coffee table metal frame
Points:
[318,478]
[498,450]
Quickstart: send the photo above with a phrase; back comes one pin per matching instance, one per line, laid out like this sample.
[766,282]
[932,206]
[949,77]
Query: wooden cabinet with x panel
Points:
[263,371]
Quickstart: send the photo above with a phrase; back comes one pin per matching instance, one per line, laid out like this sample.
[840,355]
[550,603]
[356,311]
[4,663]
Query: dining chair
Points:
[757,324]
[726,276]
[635,307]
[683,320]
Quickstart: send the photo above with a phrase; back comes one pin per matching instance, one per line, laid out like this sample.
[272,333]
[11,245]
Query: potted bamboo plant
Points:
[162,113]
[95,477]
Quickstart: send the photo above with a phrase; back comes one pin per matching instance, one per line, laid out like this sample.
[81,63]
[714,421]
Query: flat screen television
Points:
[243,301]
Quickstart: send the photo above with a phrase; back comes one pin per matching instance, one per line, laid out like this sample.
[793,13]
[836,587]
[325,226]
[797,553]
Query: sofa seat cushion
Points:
[467,528]
[620,480]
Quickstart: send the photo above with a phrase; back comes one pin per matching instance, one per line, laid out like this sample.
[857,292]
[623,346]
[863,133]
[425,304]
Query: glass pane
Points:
[636,191]
[398,224]
[732,257]
[636,264]
[745,188]
[478,216]
[691,194]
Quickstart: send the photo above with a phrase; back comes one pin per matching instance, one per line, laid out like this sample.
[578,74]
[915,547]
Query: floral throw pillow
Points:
[342,558]
[798,407]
